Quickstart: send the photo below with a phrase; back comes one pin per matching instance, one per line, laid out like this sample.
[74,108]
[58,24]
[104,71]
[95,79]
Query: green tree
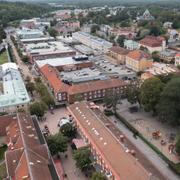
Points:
[150,92]
[94,28]
[38,109]
[30,87]
[133,94]
[81,157]
[52,32]
[57,143]
[68,130]
[25,59]
[48,100]
[2,34]
[169,104]
[120,40]
[98,176]
[178,146]
[155,56]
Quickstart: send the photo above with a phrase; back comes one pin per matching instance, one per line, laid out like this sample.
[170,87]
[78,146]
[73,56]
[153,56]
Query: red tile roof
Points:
[138,55]
[152,41]
[95,85]
[51,74]
[26,157]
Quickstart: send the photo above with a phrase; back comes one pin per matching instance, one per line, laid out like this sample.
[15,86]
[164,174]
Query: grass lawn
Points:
[3,57]
[2,151]
[3,172]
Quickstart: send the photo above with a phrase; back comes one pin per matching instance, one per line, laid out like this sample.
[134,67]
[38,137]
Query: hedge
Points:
[172,166]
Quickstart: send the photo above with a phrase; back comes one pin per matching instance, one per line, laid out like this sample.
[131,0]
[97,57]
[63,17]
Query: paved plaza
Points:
[147,124]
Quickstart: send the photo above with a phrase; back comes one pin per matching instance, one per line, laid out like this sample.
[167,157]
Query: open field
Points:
[3,57]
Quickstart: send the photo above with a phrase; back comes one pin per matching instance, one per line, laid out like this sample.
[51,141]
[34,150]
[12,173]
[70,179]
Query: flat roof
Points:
[37,39]
[124,165]
[112,69]
[55,62]
[83,75]
[14,90]
[47,47]
[84,49]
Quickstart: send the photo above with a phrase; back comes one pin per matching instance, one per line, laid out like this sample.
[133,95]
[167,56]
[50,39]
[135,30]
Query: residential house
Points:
[138,60]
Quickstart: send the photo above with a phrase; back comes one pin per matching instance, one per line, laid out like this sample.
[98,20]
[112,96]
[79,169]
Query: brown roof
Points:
[138,55]
[123,165]
[27,156]
[51,74]
[119,50]
[95,85]
[152,41]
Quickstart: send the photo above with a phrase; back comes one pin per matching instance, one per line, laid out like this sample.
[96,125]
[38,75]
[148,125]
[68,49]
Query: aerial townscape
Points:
[90,90]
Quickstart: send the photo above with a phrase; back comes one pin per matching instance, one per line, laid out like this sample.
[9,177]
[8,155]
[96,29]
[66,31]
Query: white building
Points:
[131,45]
[29,33]
[92,41]
[14,93]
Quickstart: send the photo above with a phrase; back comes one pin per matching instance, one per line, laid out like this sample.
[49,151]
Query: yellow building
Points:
[118,54]
[138,60]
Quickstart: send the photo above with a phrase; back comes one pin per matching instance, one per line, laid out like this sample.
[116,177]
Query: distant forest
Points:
[18,10]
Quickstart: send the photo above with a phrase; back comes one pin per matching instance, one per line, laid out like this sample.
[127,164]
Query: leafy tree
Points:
[120,40]
[30,87]
[2,34]
[169,104]
[111,99]
[25,59]
[178,146]
[52,32]
[38,109]
[81,157]
[98,176]
[150,92]
[57,143]
[133,94]
[48,100]
[155,57]
[94,28]
[68,130]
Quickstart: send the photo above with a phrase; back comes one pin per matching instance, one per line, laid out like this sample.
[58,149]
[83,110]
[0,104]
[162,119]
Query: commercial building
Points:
[66,63]
[13,93]
[167,56]
[92,41]
[104,64]
[146,16]
[153,43]
[108,151]
[27,156]
[76,88]
[138,60]
[26,33]
[84,49]
[47,50]
[118,54]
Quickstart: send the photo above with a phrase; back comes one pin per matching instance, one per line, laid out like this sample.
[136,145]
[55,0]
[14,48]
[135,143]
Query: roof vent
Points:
[31,135]
[14,161]
[31,163]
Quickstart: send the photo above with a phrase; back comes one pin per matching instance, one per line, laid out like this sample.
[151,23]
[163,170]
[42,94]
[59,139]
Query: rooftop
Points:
[119,50]
[152,41]
[83,75]
[55,62]
[138,55]
[14,90]
[26,157]
[47,47]
[124,165]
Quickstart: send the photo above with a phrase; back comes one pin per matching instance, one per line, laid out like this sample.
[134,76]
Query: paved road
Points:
[147,151]
[24,68]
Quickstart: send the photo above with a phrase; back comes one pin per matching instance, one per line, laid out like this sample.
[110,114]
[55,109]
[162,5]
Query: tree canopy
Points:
[68,130]
[82,158]
[98,176]
[178,146]
[150,92]
[169,103]
[57,143]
